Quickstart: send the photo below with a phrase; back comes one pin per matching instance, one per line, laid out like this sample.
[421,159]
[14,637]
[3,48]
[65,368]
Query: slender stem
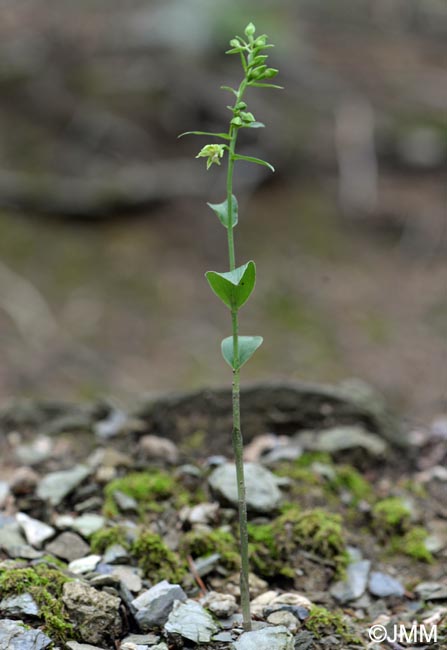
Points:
[238,444]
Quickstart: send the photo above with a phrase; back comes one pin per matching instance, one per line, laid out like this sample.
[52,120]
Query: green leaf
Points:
[255,125]
[247,347]
[259,84]
[224,136]
[221,209]
[234,287]
[258,161]
[230,89]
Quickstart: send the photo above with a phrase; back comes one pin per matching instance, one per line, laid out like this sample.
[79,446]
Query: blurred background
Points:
[104,231]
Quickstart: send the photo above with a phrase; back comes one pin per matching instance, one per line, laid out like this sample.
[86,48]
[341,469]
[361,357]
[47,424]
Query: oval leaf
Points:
[247,347]
[233,287]
[258,161]
[221,209]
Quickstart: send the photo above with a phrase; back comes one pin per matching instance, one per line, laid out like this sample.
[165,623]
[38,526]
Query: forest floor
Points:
[347,532]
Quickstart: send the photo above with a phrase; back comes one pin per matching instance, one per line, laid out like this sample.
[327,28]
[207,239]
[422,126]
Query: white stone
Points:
[36,532]
[84,564]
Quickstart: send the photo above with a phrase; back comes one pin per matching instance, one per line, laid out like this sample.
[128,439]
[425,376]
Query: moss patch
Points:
[147,549]
[102,539]
[314,530]
[321,622]
[201,544]
[412,543]
[349,479]
[148,489]
[273,546]
[45,585]
[156,560]
[391,516]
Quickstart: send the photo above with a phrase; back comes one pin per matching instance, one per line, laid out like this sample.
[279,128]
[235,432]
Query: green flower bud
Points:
[234,42]
[240,106]
[261,41]
[270,73]
[236,121]
[258,72]
[247,117]
[258,60]
[250,29]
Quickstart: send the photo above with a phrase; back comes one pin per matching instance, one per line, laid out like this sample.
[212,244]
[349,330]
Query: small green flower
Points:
[214,152]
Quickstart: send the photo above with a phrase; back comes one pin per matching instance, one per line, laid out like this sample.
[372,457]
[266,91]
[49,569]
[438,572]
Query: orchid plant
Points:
[235,286]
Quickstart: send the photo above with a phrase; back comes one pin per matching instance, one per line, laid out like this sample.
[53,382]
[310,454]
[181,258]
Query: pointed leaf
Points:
[256,125]
[224,136]
[230,89]
[247,347]
[259,84]
[234,287]
[221,209]
[258,161]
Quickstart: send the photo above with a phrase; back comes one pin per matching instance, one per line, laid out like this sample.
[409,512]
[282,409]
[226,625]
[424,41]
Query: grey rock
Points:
[285,618]
[432,590]
[142,639]
[154,605]
[35,452]
[36,532]
[205,565]
[124,502]
[24,552]
[383,585]
[4,493]
[150,447]
[14,636]
[91,504]
[341,439]
[10,535]
[191,621]
[68,546]
[113,425]
[160,646]
[127,576]
[355,584]
[95,614]
[54,487]
[263,494]
[269,638]
[22,606]
[74,645]
[115,554]
[84,564]
[221,605]
[223,637]
[88,524]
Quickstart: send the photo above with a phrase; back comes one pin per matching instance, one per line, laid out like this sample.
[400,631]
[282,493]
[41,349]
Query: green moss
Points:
[156,560]
[274,545]
[310,457]
[412,543]
[147,488]
[266,556]
[201,544]
[317,531]
[391,516]
[45,585]
[321,622]
[106,537]
[348,478]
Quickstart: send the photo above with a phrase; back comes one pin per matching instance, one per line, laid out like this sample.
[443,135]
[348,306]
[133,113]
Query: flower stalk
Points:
[235,286]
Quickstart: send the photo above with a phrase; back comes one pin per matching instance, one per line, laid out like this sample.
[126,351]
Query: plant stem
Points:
[238,444]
